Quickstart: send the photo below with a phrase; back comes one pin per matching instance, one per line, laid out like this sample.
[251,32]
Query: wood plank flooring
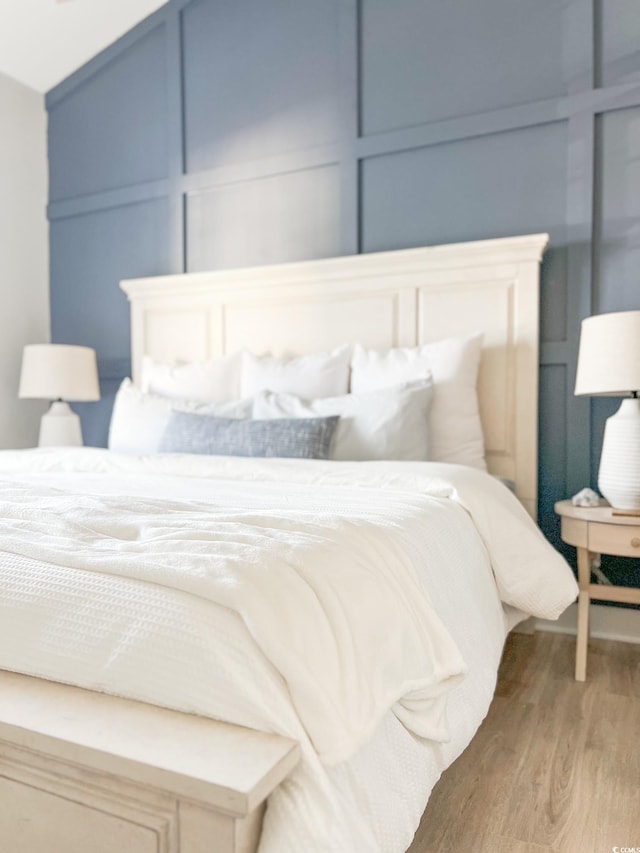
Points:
[556,764]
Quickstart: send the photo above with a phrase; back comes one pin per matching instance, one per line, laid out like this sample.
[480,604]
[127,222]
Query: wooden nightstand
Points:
[595,531]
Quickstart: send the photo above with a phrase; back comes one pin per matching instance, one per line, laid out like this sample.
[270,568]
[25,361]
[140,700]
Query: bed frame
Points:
[83,771]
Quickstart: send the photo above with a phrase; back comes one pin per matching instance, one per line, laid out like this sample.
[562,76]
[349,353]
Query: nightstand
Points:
[595,531]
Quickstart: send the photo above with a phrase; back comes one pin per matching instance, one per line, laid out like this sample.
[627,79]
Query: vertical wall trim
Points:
[349,83]
[579,39]
[597,214]
[176,147]
[580,272]
[596,10]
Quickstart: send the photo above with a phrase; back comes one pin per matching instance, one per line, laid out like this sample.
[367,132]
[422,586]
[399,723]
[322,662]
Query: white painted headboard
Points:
[382,300]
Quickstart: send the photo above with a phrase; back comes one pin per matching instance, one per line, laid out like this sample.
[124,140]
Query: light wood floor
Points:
[556,764]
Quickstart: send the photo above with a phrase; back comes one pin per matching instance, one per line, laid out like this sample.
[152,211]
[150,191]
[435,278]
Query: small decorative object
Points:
[586,497]
[60,373]
[609,366]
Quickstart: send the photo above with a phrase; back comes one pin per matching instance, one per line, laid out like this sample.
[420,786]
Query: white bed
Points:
[368,757]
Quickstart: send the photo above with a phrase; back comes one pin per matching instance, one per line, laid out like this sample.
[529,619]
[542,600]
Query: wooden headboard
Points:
[382,300]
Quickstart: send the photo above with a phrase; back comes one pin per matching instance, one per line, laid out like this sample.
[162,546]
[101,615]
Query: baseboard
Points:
[606,623]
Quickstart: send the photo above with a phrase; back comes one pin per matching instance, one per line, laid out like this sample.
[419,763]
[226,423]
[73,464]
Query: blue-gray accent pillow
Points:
[296,438]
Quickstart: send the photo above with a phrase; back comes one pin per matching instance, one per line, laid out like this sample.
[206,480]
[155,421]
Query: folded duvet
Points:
[332,600]
[298,597]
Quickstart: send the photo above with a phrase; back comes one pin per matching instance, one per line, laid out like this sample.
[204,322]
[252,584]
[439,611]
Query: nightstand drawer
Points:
[621,540]
[575,532]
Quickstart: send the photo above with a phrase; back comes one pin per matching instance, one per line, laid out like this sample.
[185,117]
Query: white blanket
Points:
[333,602]
[337,541]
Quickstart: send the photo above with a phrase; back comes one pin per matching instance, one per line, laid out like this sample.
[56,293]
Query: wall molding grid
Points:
[582,105]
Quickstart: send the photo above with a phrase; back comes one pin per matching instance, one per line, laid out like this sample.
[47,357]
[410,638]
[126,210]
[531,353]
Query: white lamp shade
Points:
[609,357]
[59,372]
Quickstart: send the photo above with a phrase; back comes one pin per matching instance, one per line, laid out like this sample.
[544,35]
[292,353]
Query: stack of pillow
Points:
[416,403]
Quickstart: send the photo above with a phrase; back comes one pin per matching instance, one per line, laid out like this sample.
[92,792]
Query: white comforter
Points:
[297,597]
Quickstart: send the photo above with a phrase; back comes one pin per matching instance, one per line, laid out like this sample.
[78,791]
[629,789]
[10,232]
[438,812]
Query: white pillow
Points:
[391,423]
[215,381]
[309,376]
[139,420]
[455,430]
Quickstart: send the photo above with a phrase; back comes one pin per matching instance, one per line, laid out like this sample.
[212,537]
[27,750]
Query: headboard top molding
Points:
[451,256]
[381,300]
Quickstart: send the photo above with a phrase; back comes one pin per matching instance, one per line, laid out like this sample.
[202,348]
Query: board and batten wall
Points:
[220,134]
[24,252]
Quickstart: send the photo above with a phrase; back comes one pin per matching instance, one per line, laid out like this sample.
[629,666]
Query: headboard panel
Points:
[381,300]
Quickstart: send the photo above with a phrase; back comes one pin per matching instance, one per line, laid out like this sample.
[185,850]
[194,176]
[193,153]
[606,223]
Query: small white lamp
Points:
[60,373]
[609,366]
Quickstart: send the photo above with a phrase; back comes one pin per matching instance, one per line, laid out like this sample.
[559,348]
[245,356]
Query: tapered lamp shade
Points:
[609,357]
[59,372]
[609,366]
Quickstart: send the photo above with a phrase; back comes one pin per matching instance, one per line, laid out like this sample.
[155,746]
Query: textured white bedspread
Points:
[163,581]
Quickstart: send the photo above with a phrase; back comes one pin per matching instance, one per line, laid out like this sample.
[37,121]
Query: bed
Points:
[399,582]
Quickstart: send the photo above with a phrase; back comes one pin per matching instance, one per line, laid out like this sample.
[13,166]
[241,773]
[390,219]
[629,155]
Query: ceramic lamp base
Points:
[619,476]
[60,427]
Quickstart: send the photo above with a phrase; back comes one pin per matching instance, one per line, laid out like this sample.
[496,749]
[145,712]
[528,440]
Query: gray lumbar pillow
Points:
[299,438]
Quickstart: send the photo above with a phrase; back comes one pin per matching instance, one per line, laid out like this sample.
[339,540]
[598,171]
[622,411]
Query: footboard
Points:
[84,771]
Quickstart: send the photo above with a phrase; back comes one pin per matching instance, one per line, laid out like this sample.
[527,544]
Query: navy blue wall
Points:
[221,133]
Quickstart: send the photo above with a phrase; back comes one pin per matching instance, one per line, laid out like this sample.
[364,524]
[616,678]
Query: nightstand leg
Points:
[584,579]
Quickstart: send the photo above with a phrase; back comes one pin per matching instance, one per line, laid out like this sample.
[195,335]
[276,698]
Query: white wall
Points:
[24,252]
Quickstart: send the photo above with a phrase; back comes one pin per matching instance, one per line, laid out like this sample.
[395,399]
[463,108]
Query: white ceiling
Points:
[43,41]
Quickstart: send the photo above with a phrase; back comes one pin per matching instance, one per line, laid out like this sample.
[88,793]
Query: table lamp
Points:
[609,366]
[60,373]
